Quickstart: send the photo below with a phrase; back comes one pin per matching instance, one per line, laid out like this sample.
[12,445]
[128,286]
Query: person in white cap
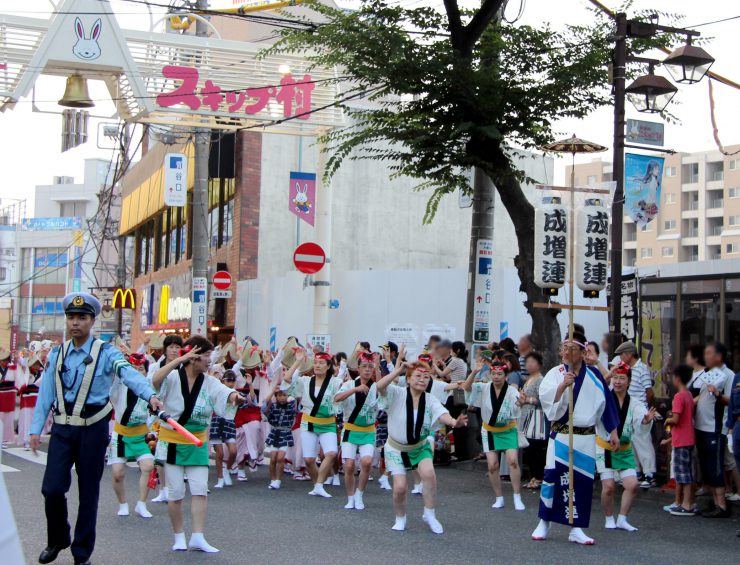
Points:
[8,391]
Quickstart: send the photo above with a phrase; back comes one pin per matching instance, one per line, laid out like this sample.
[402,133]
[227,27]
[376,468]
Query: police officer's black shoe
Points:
[50,553]
[82,562]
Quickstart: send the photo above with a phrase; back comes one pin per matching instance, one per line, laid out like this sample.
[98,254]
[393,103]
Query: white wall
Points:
[370,300]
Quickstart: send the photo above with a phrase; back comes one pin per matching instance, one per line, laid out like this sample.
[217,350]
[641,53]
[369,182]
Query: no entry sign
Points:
[309,258]
[222,280]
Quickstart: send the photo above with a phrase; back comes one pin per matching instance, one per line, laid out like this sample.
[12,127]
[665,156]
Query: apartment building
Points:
[699,217]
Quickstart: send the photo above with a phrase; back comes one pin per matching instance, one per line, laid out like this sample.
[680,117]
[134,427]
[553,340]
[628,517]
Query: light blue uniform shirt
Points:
[111,362]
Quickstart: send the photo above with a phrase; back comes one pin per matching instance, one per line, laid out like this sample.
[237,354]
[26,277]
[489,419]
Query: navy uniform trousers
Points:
[84,447]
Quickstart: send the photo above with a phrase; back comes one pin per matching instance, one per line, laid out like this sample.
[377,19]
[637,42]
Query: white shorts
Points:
[616,474]
[310,443]
[349,450]
[123,460]
[175,479]
[221,442]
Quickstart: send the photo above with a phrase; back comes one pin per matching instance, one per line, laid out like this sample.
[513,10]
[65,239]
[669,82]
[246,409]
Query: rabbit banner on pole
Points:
[302,196]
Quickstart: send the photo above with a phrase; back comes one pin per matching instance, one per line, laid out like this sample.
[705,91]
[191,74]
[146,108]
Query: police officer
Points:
[76,386]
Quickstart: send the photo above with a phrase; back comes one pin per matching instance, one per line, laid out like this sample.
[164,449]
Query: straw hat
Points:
[289,356]
[157,341]
[228,349]
[354,360]
[306,367]
[250,355]
[34,346]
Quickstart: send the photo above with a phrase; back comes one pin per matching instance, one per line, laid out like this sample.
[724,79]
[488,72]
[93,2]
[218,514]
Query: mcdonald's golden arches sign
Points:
[124,298]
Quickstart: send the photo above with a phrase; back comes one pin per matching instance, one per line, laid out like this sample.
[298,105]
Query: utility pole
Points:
[121,267]
[199,312]
[618,83]
[481,231]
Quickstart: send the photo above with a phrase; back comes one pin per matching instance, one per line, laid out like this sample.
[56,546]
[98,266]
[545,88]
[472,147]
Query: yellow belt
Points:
[406,448]
[605,445]
[499,428]
[171,436]
[354,428]
[315,420]
[130,431]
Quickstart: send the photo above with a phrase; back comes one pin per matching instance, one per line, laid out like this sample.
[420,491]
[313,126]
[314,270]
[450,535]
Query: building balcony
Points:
[714,239]
[630,244]
[690,239]
[689,214]
[715,212]
[715,203]
[690,185]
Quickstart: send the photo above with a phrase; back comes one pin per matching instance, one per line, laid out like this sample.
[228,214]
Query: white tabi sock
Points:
[227,478]
[123,509]
[318,490]
[180,543]
[623,524]
[350,503]
[577,535]
[418,489]
[431,519]
[400,524]
[541,531]
[518,504]
[219,484]
[609,523]
[359,503]
[384,483]
[335,481]
[499,502]
[198,542]
[162,496]
[142,510]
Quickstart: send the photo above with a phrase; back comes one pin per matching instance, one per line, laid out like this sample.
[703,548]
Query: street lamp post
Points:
[650,93]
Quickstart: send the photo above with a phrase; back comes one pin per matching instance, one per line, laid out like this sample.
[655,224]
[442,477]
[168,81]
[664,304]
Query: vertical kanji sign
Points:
[592,247]
[550,243]
[483,288]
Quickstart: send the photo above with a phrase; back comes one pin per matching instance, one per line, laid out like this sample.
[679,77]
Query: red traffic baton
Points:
[179,429]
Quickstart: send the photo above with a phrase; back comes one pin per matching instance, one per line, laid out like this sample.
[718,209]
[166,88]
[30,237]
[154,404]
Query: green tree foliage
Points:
[458,89]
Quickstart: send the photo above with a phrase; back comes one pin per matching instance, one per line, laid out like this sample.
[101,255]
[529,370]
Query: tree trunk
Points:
[546,336]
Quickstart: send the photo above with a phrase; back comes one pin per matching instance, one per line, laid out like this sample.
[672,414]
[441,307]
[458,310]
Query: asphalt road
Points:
[250,523]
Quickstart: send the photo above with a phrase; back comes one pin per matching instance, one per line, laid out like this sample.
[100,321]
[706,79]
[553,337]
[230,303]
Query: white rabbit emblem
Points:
[87,48]
[301,198]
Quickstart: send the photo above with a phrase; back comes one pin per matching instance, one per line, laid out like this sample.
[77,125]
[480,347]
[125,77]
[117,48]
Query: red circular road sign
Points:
[222,280]
[309,258]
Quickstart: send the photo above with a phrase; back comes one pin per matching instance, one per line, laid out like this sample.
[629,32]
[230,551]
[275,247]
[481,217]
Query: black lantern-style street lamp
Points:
[688,64]
[650,93]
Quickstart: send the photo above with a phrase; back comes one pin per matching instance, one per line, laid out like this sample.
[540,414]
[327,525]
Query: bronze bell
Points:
[76,95]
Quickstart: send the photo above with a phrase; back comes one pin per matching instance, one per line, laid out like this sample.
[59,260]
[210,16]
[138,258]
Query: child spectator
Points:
[682,437]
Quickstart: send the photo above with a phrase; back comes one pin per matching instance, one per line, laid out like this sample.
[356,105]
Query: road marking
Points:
[27,455]
[6,469]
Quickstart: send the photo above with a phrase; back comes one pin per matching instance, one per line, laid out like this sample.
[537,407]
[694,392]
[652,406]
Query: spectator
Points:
[710,442]
[514,378]
[695,360]
[682,437]
[452,369]
[532,420]
[640,390]
[390,356]
[525,347]
[593,359]
[508,345]
[733,422]
[432,344]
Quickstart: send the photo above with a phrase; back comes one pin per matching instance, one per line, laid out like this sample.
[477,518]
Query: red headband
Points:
[323,356]
[187,349]
[622,369]
[367,357]
[425,358]
[137,359]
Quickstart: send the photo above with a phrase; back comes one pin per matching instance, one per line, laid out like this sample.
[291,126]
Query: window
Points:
[670,198]
[732,248]
[732,164]
[591,180]
[50,265]
[734,220]
[670,171]
[72,209]
[646,253]
[3,273]
[667,251]
[669,225]
[690,173]
[734,192]
[221,214]
[645,227]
